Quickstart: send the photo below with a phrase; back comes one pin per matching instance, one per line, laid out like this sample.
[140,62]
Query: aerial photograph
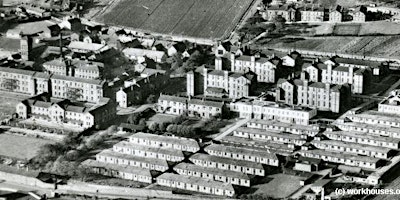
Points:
[200,99]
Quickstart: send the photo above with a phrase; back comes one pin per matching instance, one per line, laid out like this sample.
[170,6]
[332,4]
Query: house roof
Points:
[144,52]
[165,151]
[76,109]
[17,71]
[271,133]
[164,97]
[214,171]
[87,46]
[192,180]
[230,161]
[113,154]
[166,139]
[216,90]
[121,168]
[240,150]
[76,79]
[206,103]
[348,156]
[318,85]
[368,63]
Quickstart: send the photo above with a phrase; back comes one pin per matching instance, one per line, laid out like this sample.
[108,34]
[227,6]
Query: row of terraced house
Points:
[146,158]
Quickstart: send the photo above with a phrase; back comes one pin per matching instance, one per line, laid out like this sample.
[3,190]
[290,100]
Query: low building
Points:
[356,148]
[363,138]
[342,158]
[226,176]
[277,148]
[109,156]
[148,152]
[141,54]
[267,110]
[84,47]
[189,106]
[211,161]
[336,15]
[309,130]
[178,143]
[44,109]
[241,153]
[120,171]
[391,104]
[196,184]
[278,137]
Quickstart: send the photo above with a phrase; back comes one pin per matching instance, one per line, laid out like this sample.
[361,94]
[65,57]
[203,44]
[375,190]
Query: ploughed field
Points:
[193,18]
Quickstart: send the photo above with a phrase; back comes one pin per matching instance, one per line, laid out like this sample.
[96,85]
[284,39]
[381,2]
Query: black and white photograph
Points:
[199,99]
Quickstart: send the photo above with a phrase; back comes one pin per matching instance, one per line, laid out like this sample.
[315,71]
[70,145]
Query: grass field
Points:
[20,147]
[203,19]
[7,107]
[281,186]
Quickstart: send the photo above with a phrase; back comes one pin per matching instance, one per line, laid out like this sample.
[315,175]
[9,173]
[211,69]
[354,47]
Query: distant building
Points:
[312,13]
[84,47]
[75,67]
[267,110]
[391,104]
[336,15]
[264,68]
[140,54]
[287,12]
[358,15]
[24,81]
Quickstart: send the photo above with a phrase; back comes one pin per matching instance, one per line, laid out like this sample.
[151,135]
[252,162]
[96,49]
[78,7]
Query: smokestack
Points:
[61,50]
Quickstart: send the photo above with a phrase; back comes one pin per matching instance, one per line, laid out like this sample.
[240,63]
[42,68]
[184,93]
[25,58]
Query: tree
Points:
[10,84]
[74,93]
[72,155]
[151,99]
[279,21]
[175,61]
[153,126]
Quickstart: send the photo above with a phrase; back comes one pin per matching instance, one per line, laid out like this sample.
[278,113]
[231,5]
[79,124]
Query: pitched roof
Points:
[206,103]
[192,180]
[87,46]
[144,52]
[113,154]
[76,79]
[214,171]
[230,161]
[165,151]
[240,150]
[167,139]
[121,168]
[164,97]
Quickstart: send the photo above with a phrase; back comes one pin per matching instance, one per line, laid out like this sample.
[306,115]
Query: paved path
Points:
[232,128]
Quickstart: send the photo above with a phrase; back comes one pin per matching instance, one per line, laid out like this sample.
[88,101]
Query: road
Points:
[231,129]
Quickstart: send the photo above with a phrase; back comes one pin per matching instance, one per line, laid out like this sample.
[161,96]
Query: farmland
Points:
[200,19]
[380,46]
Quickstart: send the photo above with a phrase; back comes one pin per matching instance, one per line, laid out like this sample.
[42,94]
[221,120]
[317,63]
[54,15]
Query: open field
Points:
[162,118]
[20,147]
[193,18]
[281,186]
[379,46]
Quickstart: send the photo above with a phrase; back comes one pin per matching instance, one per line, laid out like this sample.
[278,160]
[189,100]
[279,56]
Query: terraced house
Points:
[217,162]
[178,143]
[196,184]
[241,153]
[148,152]
[226,176]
